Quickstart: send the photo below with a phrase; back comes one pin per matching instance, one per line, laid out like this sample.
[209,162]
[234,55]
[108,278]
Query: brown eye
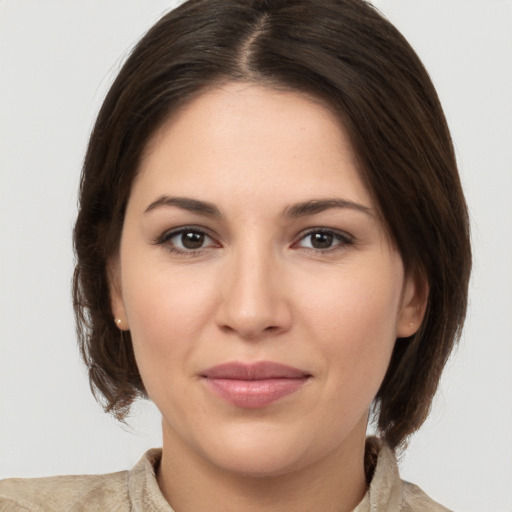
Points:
[324,240]
[186,241]
[192,239]
[321,240]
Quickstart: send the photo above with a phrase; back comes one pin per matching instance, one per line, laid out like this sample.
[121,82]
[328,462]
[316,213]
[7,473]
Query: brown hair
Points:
[344,53]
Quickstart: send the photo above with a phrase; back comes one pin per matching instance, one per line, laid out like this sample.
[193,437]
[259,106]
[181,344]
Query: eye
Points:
[186,240]
[324,240]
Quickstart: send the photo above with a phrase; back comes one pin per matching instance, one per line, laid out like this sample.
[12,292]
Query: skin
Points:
[259,288]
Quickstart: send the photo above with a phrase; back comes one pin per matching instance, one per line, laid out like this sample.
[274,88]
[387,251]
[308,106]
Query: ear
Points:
[116,296]
[414,305]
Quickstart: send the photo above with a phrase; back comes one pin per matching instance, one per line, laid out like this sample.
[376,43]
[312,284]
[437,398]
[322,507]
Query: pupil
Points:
[321,240]
[192,240]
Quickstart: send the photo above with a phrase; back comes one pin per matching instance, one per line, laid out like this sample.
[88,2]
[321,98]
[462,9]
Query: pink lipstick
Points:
[253,385]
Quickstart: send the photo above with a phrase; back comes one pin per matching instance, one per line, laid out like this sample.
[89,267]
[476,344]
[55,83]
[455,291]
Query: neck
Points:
[335,483]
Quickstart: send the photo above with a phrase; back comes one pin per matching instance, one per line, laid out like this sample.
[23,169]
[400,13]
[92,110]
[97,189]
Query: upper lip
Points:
[254,371]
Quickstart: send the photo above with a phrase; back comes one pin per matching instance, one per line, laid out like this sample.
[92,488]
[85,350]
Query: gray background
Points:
[57,59]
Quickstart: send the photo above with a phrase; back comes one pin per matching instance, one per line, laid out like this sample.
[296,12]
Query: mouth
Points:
[254,385]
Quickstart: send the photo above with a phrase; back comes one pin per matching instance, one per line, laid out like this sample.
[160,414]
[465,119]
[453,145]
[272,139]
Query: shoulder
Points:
[415,500]
[387,491]
[80,493]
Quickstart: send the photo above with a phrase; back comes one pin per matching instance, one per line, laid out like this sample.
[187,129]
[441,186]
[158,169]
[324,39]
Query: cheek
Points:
[167,312]
[353,319]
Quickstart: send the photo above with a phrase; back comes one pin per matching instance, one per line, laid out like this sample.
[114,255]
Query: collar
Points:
[384,493]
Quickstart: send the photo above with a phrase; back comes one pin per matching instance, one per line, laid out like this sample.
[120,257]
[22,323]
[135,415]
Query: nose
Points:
[254,300]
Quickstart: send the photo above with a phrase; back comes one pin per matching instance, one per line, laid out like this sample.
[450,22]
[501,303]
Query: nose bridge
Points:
[254,299]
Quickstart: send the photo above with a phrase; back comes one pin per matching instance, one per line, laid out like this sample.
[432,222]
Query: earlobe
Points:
[116,298]
[414,305]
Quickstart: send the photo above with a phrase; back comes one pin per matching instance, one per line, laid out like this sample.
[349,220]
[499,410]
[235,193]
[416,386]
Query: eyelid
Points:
[169,233]
[164,239]
[342,236]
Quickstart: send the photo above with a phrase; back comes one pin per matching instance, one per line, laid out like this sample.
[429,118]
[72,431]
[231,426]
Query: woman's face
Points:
[261,292]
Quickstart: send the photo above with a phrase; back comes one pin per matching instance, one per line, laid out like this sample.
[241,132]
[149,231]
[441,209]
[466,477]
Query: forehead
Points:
[245,138]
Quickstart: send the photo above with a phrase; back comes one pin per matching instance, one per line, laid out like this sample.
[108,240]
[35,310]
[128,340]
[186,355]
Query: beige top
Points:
[137,490]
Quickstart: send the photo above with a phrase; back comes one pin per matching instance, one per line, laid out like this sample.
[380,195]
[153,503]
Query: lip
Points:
[253,385]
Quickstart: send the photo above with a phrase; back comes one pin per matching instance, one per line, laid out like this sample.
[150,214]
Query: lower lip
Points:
[254,394]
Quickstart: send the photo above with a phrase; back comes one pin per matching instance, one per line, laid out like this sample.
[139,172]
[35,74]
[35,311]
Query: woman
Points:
[272,244]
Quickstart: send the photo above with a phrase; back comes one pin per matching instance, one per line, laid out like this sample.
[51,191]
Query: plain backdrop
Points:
[57,59]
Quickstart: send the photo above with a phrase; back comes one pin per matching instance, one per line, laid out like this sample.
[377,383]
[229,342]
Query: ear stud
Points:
[118,321]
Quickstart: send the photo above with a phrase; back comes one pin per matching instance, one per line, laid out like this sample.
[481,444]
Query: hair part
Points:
[345,54]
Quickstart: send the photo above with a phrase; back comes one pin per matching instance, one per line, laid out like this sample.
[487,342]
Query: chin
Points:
[262,450]
[256,462]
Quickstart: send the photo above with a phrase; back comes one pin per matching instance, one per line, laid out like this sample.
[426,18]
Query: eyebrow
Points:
[185,203]
[303,209]
[319,205]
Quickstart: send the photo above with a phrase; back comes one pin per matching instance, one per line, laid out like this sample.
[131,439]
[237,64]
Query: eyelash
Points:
[342,239]
[165,240]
